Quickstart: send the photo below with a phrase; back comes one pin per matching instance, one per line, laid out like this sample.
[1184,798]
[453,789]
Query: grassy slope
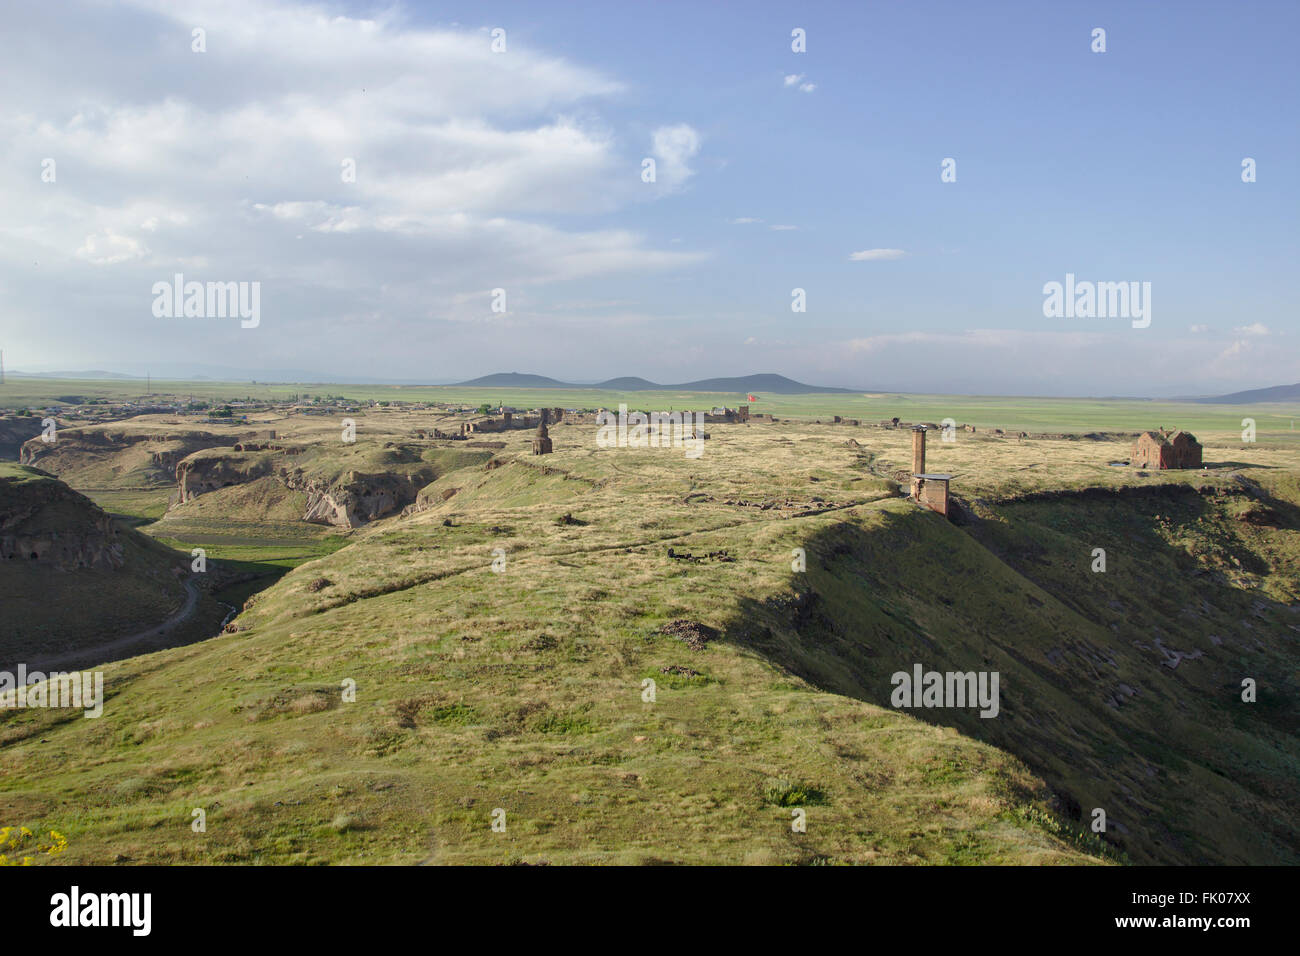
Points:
[45,608]
[522,690]
[1184,769]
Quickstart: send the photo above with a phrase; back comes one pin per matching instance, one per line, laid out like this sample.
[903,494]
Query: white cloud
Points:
[807,87]
[875,255]
[744,221]
[783,228]
[470,168]
[1255,328]
[674,147]
[793,78]
[1197,329]
[109,248]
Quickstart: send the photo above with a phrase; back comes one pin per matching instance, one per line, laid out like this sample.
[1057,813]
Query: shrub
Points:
[784,793]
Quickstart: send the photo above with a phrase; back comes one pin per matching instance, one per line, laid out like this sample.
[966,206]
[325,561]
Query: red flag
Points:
[750,398]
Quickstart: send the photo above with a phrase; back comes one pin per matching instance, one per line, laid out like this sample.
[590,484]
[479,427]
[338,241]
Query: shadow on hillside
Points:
[1106,688]
[233,583]
[1239,464]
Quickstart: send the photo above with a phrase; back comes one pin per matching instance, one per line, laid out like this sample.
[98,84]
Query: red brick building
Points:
[1153,450]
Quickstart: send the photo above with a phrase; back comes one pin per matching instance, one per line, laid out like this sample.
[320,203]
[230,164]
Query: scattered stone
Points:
[693,634]
[679,671]
[721,556]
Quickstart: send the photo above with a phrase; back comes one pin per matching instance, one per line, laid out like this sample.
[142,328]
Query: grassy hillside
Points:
[1121,688]
[522,690]
[75,579]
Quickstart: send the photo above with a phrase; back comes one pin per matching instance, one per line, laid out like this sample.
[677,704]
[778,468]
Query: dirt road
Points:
[107,650]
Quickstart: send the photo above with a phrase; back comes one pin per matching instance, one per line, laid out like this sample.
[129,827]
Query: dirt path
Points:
[106,651]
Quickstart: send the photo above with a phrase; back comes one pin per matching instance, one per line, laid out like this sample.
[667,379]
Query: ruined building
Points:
[724,415]
[928,489]
[1156,450]
[542,443]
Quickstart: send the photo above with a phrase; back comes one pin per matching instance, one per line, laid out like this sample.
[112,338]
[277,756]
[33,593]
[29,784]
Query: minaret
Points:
[918,458]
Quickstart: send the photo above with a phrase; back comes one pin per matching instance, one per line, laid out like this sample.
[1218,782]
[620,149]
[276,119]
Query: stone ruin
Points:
[725,415]
[928,489]
[542,443]
[1156,450]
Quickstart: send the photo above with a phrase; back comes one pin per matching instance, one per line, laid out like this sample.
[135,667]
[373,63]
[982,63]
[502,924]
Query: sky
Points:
[416,205]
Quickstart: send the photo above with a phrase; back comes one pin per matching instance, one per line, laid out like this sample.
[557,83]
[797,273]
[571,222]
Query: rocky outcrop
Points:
[198,474]
[46,522]
[356,498]
[351,499]
[77,448]
[35,449]
[426,500]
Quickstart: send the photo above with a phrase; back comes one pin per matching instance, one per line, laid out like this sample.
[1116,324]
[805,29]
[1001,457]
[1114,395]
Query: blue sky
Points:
[521,170]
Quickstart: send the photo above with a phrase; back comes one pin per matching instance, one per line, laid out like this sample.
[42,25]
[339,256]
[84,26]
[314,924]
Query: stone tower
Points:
[542,441]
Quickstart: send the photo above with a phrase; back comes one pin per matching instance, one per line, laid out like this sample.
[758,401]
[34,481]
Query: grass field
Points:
[1274,422]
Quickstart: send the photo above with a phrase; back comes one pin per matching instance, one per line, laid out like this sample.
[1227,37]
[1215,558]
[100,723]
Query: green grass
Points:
[523,690]
[135,508]
[1011,413]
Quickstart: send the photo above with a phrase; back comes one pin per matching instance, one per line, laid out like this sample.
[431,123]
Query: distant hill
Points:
[767,382]
[515,380]
[1278,393]
[628,383]
[777,384]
